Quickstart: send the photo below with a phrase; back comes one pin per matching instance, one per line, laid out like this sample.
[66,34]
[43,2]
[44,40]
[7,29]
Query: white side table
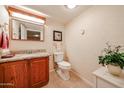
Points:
[103,79]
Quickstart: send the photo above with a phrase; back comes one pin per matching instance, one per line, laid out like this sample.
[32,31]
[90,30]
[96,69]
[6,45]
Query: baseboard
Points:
[84,79]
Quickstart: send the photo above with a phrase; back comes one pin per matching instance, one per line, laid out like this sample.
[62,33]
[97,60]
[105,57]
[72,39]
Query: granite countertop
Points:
[24,56]
[103,73]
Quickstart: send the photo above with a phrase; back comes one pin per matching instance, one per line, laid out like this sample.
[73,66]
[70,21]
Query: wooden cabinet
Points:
[25,73]
[39,72]
[1,76]
[15,74]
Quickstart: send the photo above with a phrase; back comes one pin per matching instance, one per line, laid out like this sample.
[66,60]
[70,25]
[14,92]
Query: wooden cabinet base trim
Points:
[41,84]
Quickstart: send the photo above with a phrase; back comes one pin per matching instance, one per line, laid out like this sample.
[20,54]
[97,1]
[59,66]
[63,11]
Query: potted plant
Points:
[113,58]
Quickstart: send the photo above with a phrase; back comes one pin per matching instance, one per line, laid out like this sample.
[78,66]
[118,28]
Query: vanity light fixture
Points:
[31,10]
[26,17]
[27,14]
[70,6]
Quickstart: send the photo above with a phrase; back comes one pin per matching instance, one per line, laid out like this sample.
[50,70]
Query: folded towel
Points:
[8,56]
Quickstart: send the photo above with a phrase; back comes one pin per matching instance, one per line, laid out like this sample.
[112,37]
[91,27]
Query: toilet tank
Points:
[58,56]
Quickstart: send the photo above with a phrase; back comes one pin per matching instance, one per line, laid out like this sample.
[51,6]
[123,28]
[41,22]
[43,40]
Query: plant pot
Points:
[115,70]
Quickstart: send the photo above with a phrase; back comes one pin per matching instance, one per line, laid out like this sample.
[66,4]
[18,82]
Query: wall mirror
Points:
[24,30]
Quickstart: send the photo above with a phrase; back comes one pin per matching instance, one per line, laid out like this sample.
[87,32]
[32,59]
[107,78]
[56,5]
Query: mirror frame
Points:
[19,19]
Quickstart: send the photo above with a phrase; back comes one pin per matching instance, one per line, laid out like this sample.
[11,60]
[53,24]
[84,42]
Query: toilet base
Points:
[63,74]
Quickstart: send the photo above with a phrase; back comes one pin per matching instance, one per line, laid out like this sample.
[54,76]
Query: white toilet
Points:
[63,66]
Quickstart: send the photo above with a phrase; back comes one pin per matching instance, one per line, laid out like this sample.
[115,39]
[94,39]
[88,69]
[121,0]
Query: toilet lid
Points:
[64,63]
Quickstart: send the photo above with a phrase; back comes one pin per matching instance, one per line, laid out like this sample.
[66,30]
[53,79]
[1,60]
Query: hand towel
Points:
[4,41]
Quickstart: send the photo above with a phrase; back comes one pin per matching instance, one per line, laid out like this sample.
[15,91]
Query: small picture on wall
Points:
[57,35]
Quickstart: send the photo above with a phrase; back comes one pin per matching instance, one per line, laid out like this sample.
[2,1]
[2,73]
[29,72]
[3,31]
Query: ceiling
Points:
[59,13]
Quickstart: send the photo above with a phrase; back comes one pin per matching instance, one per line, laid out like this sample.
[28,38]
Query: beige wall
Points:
[4,18]
[101,24]
[48,43]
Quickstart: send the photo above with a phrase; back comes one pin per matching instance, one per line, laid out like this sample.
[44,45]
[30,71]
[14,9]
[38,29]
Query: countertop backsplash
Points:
[29,51]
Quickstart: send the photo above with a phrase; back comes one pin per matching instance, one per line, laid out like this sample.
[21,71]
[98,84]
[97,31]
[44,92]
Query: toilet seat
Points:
[64,65]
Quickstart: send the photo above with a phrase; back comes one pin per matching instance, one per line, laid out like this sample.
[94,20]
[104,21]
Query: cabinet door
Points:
[39,68]
[15,74]
[1,76]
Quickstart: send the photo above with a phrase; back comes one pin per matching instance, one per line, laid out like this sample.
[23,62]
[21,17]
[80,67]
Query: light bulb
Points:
[71,6]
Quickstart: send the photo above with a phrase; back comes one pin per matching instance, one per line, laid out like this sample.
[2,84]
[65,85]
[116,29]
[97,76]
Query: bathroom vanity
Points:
[24,71]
